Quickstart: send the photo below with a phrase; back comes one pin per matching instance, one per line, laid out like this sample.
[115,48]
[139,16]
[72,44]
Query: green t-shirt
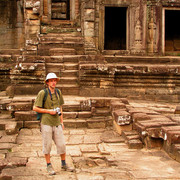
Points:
[57,101]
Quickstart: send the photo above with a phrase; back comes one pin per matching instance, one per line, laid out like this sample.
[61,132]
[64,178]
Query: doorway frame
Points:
[163,26]
[102,27]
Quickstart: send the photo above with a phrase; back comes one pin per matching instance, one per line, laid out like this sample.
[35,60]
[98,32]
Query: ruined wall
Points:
[150,78]
[11,24]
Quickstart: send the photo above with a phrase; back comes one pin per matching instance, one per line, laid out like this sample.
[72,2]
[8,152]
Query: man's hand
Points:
[52,112]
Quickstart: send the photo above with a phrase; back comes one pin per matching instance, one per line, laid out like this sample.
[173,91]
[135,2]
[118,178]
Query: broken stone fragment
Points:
[11,128]
[122,117]
[177,110]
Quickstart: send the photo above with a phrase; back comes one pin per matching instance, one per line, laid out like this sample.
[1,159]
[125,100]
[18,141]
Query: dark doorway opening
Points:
[115,28]
[60,9]
[172,31]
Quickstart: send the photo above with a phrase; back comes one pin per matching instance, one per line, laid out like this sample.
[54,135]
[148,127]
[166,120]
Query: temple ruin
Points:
[106,53]
[118,48]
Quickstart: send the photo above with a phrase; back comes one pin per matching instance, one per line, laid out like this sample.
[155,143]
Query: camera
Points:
[58,111]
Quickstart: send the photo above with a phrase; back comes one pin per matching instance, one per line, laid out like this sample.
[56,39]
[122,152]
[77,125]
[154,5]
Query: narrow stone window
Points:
[115,28]
[60,9]
[172,31]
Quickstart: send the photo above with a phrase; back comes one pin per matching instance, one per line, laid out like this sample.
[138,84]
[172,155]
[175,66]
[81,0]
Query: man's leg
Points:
[47,143]
[47,157]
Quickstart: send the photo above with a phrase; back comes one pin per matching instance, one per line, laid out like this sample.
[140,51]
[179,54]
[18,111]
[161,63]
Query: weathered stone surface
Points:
[111,137]
[117,105]
[11,128]
[12,162]
[122,117]
[5,146]
[140,116]
[135,144]
[19,106]
[25,115]
[177,110]
[88,148]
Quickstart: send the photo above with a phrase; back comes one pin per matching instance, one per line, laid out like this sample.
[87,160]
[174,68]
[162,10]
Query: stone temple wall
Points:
[140,70]
[11,24]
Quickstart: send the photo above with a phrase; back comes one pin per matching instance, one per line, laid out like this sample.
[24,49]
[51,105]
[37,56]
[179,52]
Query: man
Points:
[52,121]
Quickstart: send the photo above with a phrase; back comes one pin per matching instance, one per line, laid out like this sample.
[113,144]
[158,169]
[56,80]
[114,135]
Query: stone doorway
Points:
[172,32]
[60,9]
[115,28]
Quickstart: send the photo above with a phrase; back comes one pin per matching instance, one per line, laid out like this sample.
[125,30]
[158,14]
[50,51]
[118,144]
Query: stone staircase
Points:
[63,44]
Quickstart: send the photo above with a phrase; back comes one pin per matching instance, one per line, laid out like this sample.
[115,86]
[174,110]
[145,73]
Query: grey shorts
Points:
[54,133]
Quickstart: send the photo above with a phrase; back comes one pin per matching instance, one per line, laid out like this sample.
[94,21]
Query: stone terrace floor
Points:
[91,158]
[96,154]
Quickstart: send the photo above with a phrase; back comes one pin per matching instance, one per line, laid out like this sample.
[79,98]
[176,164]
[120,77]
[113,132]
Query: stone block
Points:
[84,114]
[124,100]
[70,115]
[88,148]
[92,123]
[89,29]
[117,105]
[93,139]
[97,102]
[21,106]
[120,129]
[166,129]
[32,124]
[102,150]
[122,117]
[25,116]
[135,144]
[6,146]
[140,117]
[89,14]
[11,128]
[173,137]
[111,137]
[177,110]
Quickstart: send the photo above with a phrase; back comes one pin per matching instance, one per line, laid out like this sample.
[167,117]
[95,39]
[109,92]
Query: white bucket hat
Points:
[51,76]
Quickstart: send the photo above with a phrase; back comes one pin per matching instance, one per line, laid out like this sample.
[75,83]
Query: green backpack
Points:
[39,115]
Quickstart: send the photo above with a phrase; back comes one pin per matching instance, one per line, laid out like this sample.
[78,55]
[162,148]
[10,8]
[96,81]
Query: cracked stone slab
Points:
[88,148]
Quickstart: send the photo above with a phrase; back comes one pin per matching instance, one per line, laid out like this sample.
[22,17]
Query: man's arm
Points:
[41,110]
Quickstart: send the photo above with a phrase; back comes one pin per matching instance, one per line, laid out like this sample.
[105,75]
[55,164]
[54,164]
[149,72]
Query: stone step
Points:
[63,58]
[62,51]
[68,80]
[91,123]
[58,29]
[69,73]
[142,60]
[62,23]
[9,126]
[60,38]
[19,106]
[10,52]
[57,67]
[60,44]
[132,139]
[69,89]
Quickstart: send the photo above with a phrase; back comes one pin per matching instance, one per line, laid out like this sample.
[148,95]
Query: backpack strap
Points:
[57,91]
[45,97]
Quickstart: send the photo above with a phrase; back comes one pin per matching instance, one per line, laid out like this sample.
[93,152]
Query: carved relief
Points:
[151,33]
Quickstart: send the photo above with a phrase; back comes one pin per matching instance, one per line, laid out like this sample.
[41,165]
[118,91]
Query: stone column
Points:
[32,26]
[89,25]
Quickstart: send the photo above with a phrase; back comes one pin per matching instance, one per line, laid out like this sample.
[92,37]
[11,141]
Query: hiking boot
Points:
[67,168]
[50,170]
